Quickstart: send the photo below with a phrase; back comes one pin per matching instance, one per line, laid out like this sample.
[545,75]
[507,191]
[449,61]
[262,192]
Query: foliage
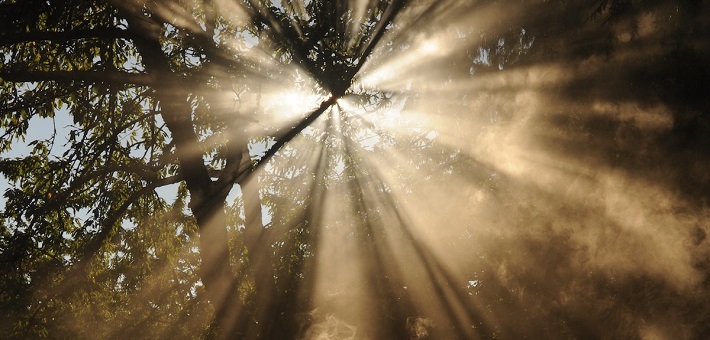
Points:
[237,168]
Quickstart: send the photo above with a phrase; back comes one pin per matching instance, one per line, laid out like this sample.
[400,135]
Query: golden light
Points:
[448,201]
[285,107]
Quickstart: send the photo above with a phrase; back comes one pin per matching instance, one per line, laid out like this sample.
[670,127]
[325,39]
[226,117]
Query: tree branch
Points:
[112,77]
[389,17]
[286,37]
[95,33]
[287,137]
[215,269]
[108,225]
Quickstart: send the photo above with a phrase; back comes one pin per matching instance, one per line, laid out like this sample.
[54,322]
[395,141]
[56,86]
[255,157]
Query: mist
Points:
[426,170]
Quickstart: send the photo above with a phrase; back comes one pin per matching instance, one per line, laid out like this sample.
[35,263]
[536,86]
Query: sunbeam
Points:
[361,169]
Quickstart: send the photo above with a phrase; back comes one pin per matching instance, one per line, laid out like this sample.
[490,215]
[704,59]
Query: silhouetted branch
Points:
[108,225]
[94,33]
[107,77]
[388,17]
[287,137]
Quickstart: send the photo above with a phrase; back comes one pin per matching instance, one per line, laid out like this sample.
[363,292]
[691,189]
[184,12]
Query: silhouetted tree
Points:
[121,218]
[147,87]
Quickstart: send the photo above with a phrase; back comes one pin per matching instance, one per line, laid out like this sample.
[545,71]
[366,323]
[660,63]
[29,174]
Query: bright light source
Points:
[430,47]
[291,104]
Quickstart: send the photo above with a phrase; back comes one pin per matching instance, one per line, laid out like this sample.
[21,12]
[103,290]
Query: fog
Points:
[510,170]
[535,185]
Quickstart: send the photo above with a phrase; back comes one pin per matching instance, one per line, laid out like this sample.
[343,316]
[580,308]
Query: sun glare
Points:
[469,183]
[430,47]
[290,105]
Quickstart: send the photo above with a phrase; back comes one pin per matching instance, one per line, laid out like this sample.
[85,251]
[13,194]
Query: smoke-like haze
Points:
[536,186]
[497,169]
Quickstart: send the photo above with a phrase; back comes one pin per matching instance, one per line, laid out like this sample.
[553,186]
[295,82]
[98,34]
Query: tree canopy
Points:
[393,169]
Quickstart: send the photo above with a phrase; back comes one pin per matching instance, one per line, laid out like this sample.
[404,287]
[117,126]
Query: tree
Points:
[440,168]
[146,85]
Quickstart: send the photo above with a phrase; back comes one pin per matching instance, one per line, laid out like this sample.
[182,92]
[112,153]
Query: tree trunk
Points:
[207,205]
[260,254]
[206,198]
[216,272]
